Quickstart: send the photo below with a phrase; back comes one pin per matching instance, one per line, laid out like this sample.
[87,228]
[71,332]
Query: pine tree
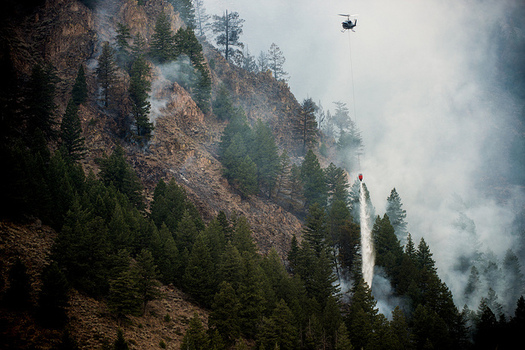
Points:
[262,62]
[225,313]
[397,215]
[106,72]
[222,104]
[278,331]
[424,257]
[120,343]
[124,298]
[276,61]
[115,171]
[231,266]
[343,338]
[362,314]
[147,275]
[139,89]
[199,278]
[201,17]
[314,182]
[337,184]
[40,97]
[350,146]
[315,231]
[72,141]
[341,117]
[265,155]
[240,168]
[306,125]
[79,93]
[166,254]
[389,252]
[195,337]
[185,10]
[162,41]
[228,28]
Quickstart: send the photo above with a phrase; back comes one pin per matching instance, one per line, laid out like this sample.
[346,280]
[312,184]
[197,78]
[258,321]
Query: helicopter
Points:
[349,23]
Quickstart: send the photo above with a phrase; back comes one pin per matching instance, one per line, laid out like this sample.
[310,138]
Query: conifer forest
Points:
[164,188]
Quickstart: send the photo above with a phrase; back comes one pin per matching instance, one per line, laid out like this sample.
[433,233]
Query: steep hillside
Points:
[184,144]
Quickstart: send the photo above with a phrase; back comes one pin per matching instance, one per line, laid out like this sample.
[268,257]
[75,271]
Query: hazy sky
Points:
[432,122]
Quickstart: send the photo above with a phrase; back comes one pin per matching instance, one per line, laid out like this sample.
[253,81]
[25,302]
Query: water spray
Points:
[367,245]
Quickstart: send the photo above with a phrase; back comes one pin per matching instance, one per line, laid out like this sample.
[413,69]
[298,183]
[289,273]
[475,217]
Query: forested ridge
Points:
[82,165]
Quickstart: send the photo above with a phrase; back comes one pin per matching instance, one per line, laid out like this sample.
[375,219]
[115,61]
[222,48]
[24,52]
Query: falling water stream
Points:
[367,245]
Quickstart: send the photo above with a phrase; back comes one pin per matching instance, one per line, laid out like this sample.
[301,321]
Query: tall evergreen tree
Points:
[201,18]
[228,28]
[397,215]
[314,182]
[79,93]
[199,279]
[225,313]
[40,102]
[350,146]
[115,171]
[120,343]
[276,61]
[186,11]
[162,44]
[139,89]
[147,275]
[195,337]
[341,117]
[306,125]
[72,141]
[106,72]
[265,156]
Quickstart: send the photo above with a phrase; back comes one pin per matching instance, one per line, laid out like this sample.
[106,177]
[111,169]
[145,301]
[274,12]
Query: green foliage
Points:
[186,11]
[162,42]
[265,155]
[228,28]
[305,125]
[120,343]
[72,141]
[222,104]
[276,61]
[195,337]
[40,102]
[199,277]
[187,44]
[225,313]
[239,167]
[139,89]
[170,202]
[147,275]
[314,181]
[79,93]
[397,215]
[106,72]
[116,172]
